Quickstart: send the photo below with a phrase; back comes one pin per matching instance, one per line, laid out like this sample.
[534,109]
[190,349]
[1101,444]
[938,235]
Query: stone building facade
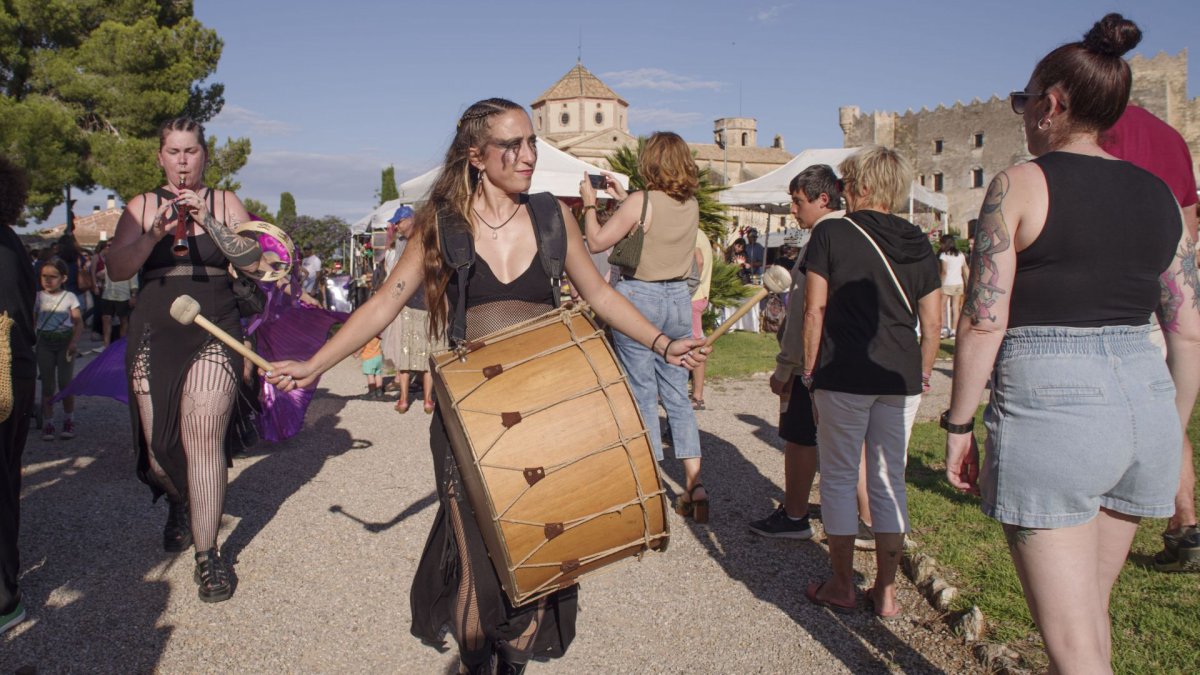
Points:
[958,149]
[581,115]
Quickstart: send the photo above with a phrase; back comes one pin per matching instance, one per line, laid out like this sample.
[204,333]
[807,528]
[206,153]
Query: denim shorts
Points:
[1079,419]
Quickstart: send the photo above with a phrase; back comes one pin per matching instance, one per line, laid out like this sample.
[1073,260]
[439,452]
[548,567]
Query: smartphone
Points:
[599,182]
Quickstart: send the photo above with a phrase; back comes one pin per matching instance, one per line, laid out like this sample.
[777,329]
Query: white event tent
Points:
[557,173]
[769,192]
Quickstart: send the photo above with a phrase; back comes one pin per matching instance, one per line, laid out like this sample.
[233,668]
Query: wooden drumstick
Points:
[776,280]
[186,311]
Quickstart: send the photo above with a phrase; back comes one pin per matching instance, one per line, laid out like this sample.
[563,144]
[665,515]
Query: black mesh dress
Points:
[166,348]
[439,581]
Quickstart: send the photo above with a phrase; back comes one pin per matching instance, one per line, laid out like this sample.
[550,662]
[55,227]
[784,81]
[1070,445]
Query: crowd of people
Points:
[1084,427]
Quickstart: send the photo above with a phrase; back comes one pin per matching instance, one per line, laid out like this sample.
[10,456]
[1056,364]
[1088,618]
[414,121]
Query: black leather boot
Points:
[177,534]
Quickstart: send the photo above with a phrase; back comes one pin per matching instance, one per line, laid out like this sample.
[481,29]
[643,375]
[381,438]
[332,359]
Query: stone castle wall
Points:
[1159,85]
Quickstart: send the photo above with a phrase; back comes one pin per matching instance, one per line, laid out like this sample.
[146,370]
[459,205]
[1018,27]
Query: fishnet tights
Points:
[473,644]
[209,391]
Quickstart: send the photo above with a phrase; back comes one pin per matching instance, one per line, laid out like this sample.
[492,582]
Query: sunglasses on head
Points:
[1020,100]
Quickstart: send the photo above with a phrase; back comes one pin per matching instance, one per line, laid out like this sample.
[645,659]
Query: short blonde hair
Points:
[877,176]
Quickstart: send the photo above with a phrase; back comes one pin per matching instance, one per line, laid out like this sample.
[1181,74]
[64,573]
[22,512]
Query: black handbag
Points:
[250,298]
[627,253]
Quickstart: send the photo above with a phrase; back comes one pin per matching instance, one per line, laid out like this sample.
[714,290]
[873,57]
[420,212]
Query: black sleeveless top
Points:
[1111,229]
[493,305]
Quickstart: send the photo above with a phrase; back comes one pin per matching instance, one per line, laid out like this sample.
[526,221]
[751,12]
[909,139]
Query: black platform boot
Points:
[177,534]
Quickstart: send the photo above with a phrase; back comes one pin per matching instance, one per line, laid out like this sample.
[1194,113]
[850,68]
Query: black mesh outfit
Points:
[455,587]
[183,381]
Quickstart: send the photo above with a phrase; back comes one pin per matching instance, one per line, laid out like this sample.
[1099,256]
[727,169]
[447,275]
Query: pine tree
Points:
[387,188]
[287,209]
[84,85]
[257,208]
[714,220]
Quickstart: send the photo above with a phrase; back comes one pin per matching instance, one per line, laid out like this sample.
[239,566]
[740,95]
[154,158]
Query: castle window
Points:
[978,140]
[937,146]
[599,117]
[564,118]
[922,179]
[976,178]
[745,139]
[939,182]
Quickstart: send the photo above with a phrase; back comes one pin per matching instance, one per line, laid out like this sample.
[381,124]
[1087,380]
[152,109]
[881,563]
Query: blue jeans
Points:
[668,306]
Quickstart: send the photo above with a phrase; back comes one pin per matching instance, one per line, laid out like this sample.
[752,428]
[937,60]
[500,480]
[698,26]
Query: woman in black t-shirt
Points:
[1073,252]
[869,276]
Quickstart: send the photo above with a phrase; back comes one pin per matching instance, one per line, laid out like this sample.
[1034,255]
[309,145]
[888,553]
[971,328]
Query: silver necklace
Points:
[495,228]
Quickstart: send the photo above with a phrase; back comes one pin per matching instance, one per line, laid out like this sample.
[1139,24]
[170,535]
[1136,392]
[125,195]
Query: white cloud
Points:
[770,13]
[245,121]
[656,78]
[663,118]
[341,185]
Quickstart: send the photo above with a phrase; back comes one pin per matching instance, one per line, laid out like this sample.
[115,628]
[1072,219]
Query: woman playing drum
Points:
[487,171]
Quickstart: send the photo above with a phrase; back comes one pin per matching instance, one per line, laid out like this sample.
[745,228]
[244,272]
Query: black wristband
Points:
[667,349]
[964,428]
[655,342]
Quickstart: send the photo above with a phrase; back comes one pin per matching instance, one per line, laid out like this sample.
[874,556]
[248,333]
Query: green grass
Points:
[946,350]
[740,354]
[1156,617]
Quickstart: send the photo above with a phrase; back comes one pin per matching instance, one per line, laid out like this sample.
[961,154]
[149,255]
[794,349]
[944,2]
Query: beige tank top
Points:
[667,250]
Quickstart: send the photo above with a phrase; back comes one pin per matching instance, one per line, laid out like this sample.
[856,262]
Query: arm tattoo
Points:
[1170,298]
[398,290]
[241,251]
[1187,265]
[991,237]
[1016,534]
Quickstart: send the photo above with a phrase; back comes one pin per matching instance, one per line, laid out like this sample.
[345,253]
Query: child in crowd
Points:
[372,366]
[59,324]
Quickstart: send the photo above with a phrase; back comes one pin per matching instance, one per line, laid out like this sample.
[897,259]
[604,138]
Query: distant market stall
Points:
[557,173]
[769,193]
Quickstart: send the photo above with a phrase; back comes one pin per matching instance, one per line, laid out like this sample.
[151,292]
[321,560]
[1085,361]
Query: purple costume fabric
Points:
[288,328]
[104,376]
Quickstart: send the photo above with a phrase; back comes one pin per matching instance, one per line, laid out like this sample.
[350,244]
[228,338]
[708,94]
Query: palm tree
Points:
[714,219]
[726,289]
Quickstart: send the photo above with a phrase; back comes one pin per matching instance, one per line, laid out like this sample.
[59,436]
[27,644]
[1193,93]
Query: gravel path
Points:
[326,530]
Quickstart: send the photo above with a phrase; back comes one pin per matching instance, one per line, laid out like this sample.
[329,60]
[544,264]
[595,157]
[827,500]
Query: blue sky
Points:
[332,92]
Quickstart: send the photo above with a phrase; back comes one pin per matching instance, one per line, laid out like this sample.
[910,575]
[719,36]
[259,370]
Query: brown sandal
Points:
[696,509]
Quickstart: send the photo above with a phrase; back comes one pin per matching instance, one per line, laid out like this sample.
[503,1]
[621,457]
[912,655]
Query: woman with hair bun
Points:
[1084,422]
[183,382]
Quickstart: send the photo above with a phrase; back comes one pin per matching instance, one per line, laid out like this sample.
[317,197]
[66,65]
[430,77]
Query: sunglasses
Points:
[1020,100]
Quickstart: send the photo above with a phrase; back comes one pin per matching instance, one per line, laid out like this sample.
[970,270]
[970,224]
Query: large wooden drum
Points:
[552,452]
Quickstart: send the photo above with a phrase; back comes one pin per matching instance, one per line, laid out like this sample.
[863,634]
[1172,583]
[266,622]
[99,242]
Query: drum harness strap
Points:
[458,249]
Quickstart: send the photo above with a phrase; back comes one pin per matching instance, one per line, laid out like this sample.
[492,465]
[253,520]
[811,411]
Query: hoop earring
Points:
[1044,123]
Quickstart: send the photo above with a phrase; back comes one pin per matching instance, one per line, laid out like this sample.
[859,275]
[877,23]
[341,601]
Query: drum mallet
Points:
[776,280]
[186,311]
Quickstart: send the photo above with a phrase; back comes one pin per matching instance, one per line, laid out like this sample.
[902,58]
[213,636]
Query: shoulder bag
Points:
[887,265]
[627,253]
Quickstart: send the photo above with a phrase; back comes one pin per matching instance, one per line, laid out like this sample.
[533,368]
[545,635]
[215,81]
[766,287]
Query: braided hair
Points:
[452,192]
